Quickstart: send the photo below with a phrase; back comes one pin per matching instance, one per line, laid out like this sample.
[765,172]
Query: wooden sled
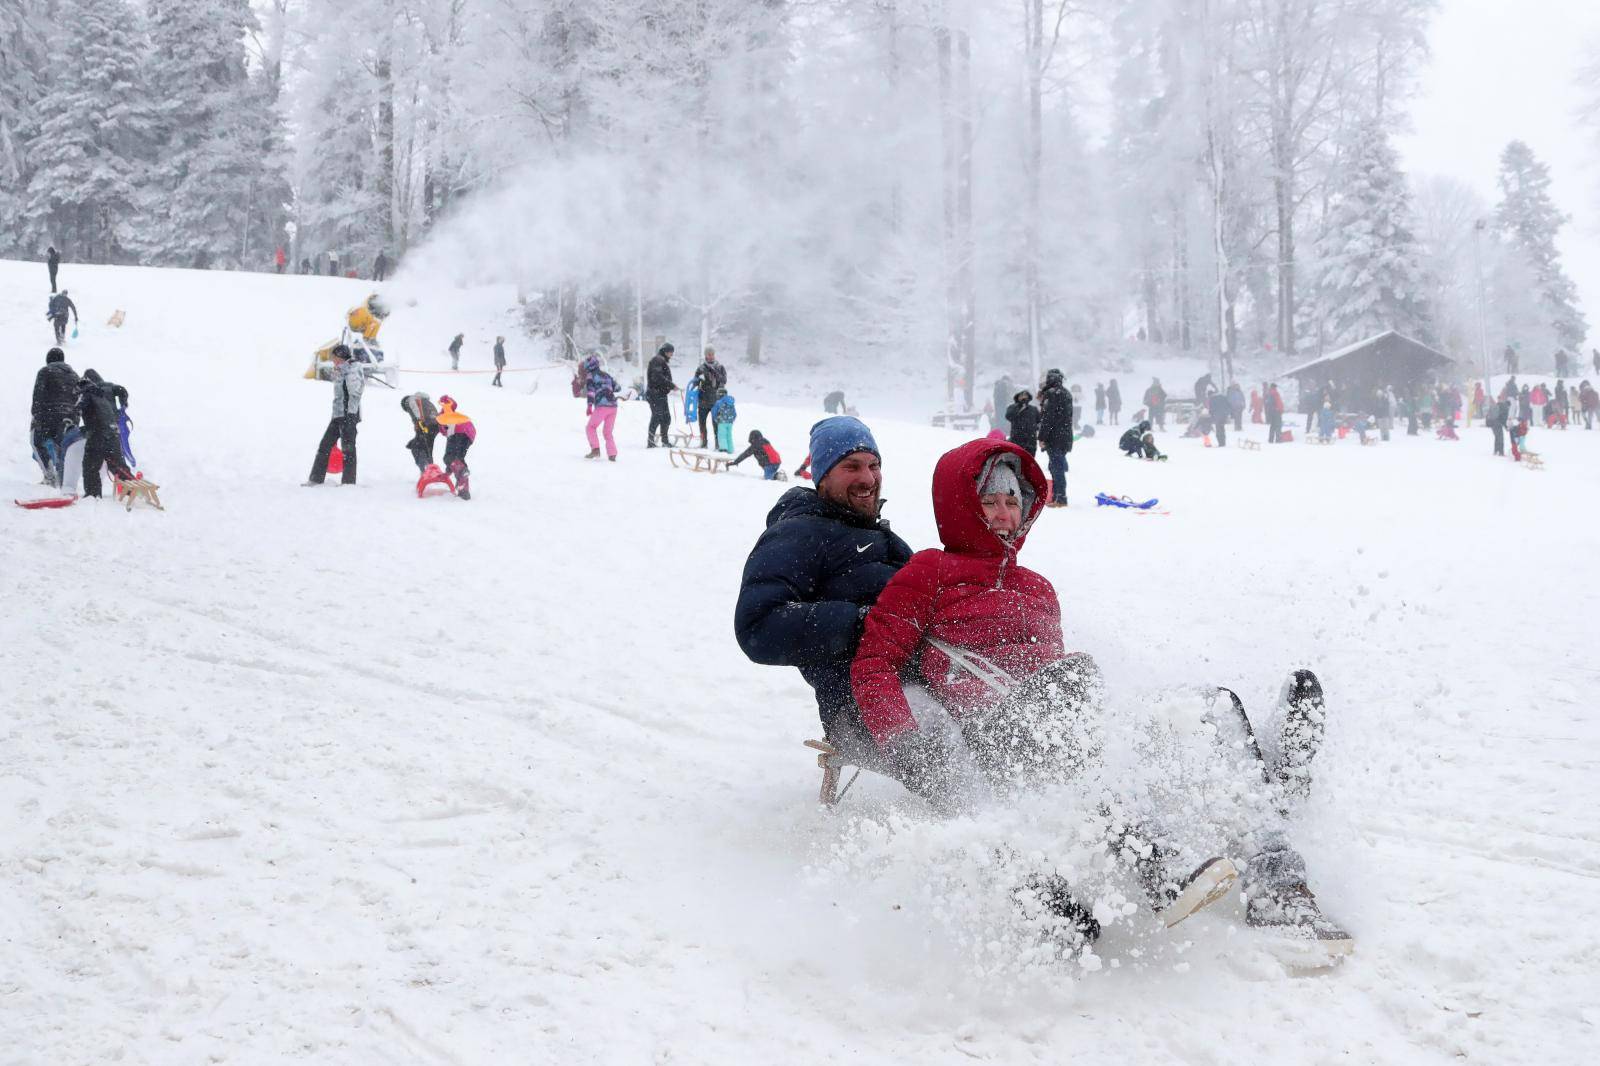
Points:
[699,462]
[830,762]
[131,489]
[116,318]
[1313,439]
[1532,460]
[1250,445]
[683,438]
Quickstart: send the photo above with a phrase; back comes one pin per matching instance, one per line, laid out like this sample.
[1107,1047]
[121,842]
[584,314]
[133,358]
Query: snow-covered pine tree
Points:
[338,204]
[92,134]
[23,68]
[1372,277]
[1530,218]
[217,189]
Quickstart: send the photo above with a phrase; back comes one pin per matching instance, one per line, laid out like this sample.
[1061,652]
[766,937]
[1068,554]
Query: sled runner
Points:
[683,438]
[696,461]
[47,503]
[831,763]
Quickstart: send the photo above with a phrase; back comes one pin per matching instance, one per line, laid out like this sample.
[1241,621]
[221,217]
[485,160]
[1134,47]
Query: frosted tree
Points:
[93,134]
[1531,221]
[216,190]
[23,68]
[1372,277]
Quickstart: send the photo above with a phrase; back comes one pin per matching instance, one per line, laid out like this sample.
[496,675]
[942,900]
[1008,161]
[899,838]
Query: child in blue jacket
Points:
[722,415]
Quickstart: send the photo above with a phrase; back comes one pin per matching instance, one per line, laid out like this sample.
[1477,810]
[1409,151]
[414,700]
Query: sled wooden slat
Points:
[697,462]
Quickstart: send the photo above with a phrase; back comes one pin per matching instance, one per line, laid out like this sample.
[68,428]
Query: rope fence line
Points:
[507,370]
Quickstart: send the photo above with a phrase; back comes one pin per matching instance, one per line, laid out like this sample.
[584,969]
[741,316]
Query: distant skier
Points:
[455,351]
[60,306]
[99,403]
[658,385]
[709,376]
[499,361]
[1023,418]
[459,434]
[765,455]
[600,395]
[55,411]
[1113,401]
[723,414]
[1055,433]
[346,417]
[52,262]
[424,428]
[380,266]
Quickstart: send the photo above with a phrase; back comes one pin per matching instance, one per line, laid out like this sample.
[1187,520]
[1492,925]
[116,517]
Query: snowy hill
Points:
[338,775]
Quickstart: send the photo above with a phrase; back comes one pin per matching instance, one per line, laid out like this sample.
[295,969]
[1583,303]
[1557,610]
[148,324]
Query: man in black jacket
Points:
[1055,433]
[55,408]
[658,385]
[52,262]
[710,376]
[823,560]
[1499,418]
[60,304]
[99,403]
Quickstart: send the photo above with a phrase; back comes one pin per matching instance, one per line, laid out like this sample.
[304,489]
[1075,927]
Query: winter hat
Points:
[755,436]
[445,401]
[834,438]
[665,349]
[1023,397]
[55,355]
[1002,478]
[340,351]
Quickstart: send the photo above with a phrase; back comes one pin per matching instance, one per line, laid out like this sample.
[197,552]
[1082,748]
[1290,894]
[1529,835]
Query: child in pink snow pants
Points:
[601,390]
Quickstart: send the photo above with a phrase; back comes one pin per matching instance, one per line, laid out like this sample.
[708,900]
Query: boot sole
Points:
[1206,885]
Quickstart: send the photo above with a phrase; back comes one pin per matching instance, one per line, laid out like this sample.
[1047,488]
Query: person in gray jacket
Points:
[347,385]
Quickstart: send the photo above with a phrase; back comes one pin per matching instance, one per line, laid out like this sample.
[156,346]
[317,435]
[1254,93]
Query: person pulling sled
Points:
[102,405]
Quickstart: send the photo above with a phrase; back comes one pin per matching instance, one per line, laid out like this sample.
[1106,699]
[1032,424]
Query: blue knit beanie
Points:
[834,438]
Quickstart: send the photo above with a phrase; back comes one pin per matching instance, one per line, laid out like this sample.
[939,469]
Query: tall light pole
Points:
[1483,333]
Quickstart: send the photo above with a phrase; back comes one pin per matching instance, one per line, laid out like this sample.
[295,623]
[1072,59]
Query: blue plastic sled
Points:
[691,403]
[1103,500]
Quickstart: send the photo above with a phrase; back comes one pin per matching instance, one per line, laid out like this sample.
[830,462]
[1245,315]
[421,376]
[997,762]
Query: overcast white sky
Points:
[1506,70]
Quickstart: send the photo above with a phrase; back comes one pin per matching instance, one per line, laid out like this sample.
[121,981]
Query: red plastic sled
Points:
[46,502]
[434,476]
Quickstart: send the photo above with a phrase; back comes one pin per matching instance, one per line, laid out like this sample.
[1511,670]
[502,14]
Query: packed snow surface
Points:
[341,775]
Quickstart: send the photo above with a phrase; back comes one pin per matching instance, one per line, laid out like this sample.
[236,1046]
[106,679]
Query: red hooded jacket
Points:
[972,596]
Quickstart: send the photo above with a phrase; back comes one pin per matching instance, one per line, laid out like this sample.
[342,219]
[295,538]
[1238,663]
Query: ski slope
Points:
[338,775]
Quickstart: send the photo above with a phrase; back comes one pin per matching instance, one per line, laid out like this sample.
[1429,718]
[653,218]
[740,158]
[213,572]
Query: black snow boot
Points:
[1293,909]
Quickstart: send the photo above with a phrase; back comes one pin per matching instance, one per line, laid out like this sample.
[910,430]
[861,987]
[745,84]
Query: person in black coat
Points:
[55,409]
[1055,432]
[1023,418]
[821,563]
[99,403]
[455,351]
[52,262]
[658,385]
[380,266]
[710,376]
[1221,410]
[1139,442]
[499,360]
[60,305]
[1113,400]
[1499,418]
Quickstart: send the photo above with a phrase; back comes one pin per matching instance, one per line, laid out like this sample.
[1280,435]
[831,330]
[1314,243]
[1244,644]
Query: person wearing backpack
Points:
[60,305]
[723,414]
